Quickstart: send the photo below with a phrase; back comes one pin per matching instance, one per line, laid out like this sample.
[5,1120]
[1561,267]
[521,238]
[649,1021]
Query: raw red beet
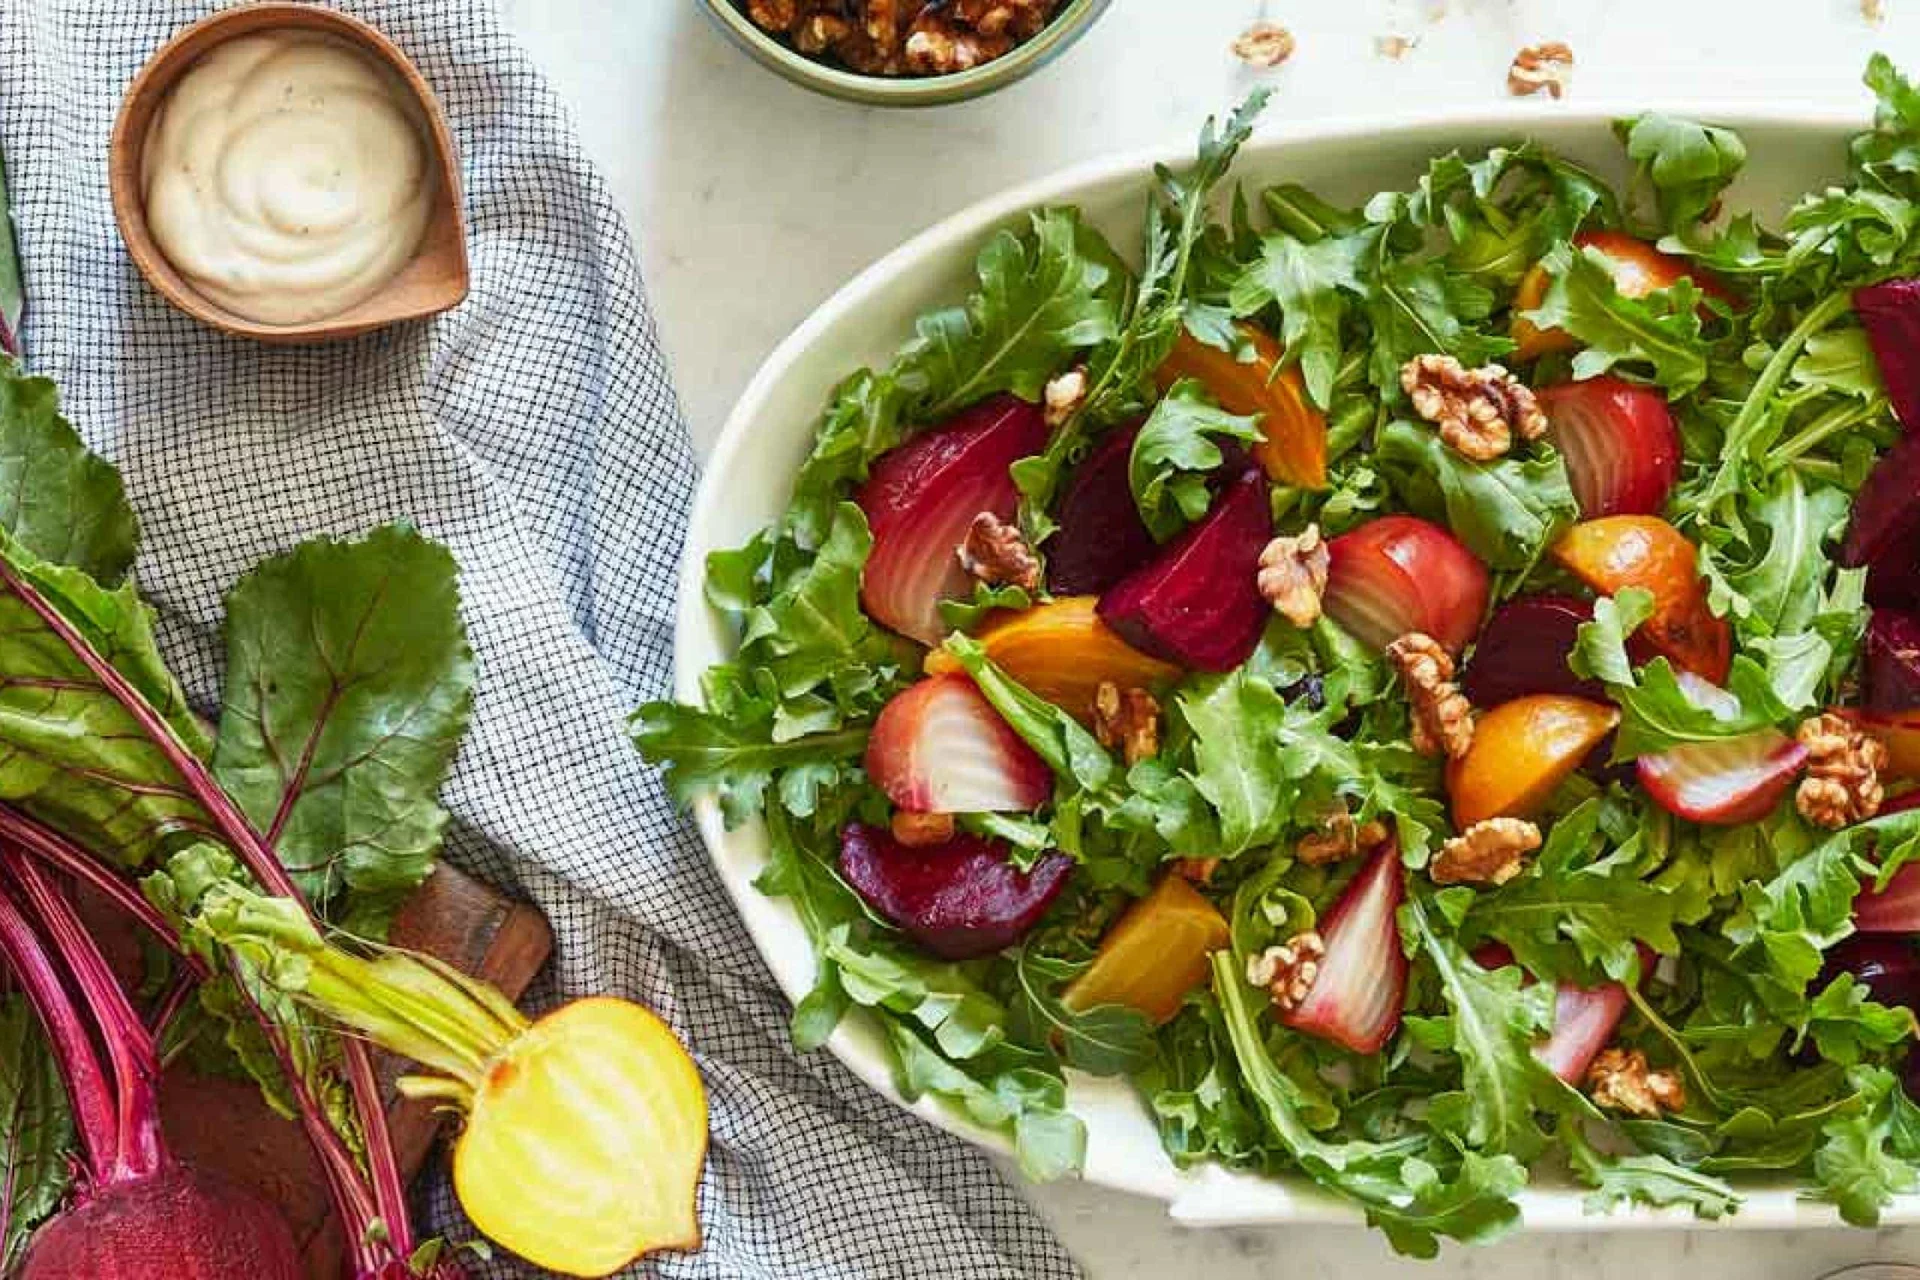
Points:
[1890,313]
[1361,992]
[1893,661]
[1102,537]
[1619,443]
[959,899]
[1196,602]
[1399,574]
[1889,968]
[1884,534]
[920,500]
[1524,650]
[940,747]
[1896,909]
[179,1224]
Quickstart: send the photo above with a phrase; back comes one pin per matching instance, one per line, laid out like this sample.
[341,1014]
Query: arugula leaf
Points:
[36,1130]
[1105,1040]
[1600,908]
[966,615]
[1652,1180]
[863,419]
[1238,722]
[1042,297]
[1419,308]
[1689,164]
[1866,1157]
[1600,646]
[1175,450]
[1893,145]
[1492,1025]
[1660,331]
[1657,712]
[61,502]
[1846,1025]
[1507,511]
[349,685]
[1311,282]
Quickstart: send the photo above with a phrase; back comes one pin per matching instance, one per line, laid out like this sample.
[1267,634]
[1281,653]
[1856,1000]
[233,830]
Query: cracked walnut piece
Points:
[1842,785]
[1264,44]
[1128,719]
[1064,395]
[996,554]
[1488,852]
[1442,716]
[1620,1080]
[918,830]
[1548,65]
[1338,839]
[1478,411]
[1289,971]
[1293,575]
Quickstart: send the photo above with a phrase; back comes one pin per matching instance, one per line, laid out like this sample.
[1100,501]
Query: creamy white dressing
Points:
[288,176]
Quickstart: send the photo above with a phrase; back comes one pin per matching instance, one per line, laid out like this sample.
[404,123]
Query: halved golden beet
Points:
[1062,651]
[584,1140]
[1521,751]
[1155,954]
[1617,552]
[1293,449]
[1638,270]
[1899,731]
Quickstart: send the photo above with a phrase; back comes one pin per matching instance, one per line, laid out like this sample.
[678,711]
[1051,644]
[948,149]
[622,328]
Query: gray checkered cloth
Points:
[535,431]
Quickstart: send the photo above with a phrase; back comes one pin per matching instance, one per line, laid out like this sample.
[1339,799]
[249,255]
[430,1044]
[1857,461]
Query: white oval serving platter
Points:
[747,481]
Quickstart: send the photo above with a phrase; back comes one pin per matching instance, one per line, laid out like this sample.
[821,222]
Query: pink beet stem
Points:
[389,1193]
[88,1095]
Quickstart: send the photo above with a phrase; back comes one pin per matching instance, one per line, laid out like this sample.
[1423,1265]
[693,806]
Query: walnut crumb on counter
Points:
[1548,65]
[1477,411]
[1621,1080]
[995,553]
[1488,852]
[1442,716]
[1394,45]
[1264,44]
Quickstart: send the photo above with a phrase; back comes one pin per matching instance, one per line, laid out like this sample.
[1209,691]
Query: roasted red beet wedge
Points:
[1890,313]
[1893,662]
[1196,603]
[1619,443]
[1723,783]
[1399,574]
[1884,534]
[1524,649]
[959,899]
[920,500]
[1361,992]
[939,747]
[1102,537]
[1583,1017]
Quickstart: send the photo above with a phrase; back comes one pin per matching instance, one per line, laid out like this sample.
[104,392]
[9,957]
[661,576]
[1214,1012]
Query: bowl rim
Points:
[1067,26]
[1207,1195]
[148,90]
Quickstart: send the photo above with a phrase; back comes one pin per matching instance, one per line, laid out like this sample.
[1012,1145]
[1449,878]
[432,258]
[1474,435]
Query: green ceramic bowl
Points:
[906,91]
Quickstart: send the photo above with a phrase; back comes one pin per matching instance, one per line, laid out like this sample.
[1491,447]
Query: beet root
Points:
[1102,537]
[1197,603]
[179,1224]
[1524,650]
[958,899]
[1890,313]
[1893,661]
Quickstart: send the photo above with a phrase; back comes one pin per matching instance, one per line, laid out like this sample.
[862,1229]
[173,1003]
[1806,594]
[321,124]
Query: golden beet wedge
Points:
[1155,954]
[1063,652]
[1521,751]
[1293,448]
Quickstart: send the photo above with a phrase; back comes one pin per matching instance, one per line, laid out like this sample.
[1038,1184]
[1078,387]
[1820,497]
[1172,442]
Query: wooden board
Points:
[223,1126]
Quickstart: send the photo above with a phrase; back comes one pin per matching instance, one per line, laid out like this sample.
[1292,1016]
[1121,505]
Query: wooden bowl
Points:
[435,280]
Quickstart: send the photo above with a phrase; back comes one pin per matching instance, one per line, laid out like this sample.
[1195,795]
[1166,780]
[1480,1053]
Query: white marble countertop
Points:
[752,200]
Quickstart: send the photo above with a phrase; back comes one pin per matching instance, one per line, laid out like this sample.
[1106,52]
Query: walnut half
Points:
[1548,65]
[1442,716]
[1477,411]
[1128,719]
[1293,575]
[1842,785]
[1339,838]
[1488,852]
[996,554]
[1264,44]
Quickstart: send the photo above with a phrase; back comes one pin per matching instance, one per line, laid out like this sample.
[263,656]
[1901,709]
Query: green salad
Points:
[1426,692]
